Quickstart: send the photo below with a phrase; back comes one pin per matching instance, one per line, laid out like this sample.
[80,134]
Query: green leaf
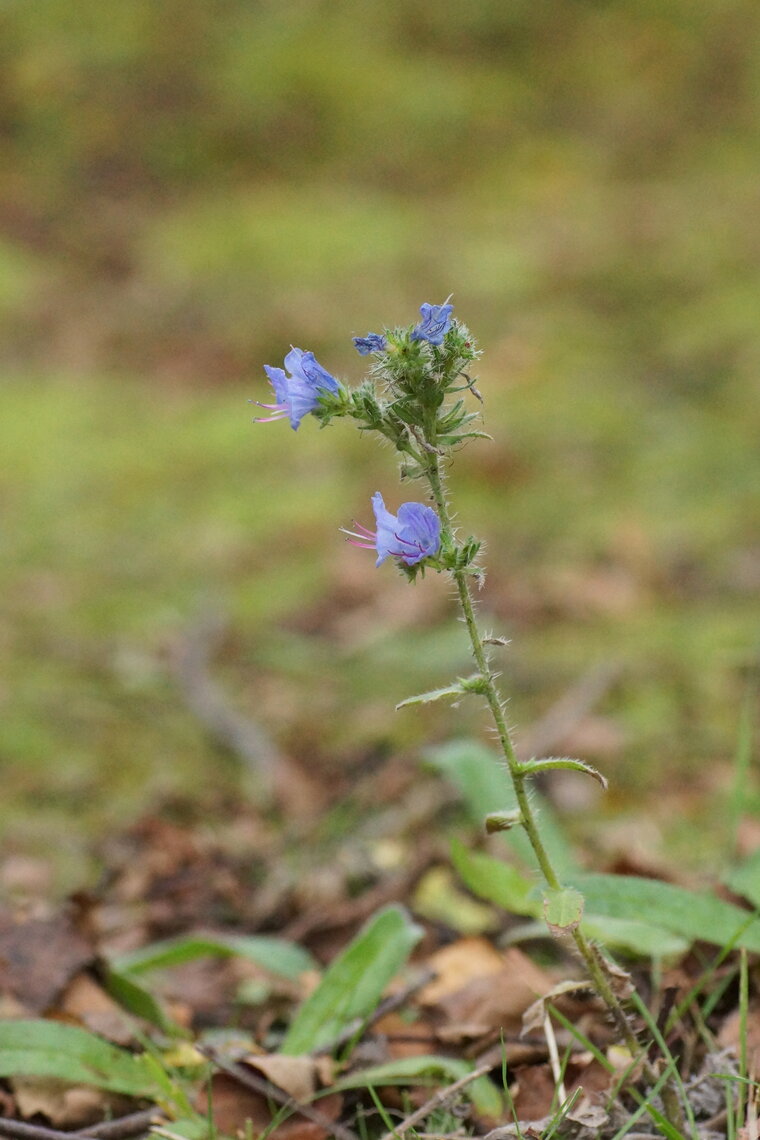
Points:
[744,879]
[275,954]
[480,776]
[696,916]
[135,999]
[355,981]
[52,1049]
[503,884]
[531,767]
[496,881]
[428,1069]
[563,909]
[455,690]
[636,937]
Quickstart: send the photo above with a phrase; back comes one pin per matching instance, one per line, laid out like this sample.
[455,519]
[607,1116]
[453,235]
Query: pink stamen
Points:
[360,539]
[365,530]
[269,419]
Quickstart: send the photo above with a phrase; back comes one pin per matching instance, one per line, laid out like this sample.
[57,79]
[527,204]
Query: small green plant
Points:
[417,396]
[414,397]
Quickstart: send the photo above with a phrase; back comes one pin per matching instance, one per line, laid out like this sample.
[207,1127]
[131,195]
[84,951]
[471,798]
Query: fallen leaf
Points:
[729,1037]
[458,964]
[294,1075]
[484,989]
[534,1094]
[63,1104]
[38,957]
[233,1104]
[86,1002]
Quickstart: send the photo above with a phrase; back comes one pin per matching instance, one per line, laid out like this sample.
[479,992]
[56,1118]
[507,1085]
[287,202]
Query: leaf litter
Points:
[443,1030]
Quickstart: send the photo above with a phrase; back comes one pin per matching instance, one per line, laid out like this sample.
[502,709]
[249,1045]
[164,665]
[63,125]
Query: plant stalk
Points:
[495,704]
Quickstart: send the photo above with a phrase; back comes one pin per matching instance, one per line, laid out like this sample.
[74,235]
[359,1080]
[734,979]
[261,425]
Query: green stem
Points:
[495,703]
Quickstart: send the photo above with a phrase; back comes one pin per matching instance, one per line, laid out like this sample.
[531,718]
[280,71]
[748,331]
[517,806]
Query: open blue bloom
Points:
[372,342]
[297,394]
[435,323]
[411,535]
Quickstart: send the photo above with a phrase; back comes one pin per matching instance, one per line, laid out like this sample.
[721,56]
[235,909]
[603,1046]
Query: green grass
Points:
[129,508]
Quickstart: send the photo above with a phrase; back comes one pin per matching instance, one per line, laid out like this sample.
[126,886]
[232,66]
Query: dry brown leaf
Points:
[38,957]
[533,1017]
[405,1039]
[233,1104]
[729,1037]
[534,1094]
[458,964]
[85,1001]
[294,1075]
[64,1104]
[486,989]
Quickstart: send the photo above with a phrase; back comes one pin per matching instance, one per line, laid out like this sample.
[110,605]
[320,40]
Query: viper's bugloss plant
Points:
[416,396]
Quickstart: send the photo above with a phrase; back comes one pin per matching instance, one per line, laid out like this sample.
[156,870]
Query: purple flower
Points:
[435,323]
[297,394]
[411,536]
[372,342]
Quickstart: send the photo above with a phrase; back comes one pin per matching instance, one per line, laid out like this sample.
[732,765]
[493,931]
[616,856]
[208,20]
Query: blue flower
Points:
[372,342]
[410,536]
[297,394]
[435,323]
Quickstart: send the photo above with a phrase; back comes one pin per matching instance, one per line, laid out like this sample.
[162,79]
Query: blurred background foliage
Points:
[188,188]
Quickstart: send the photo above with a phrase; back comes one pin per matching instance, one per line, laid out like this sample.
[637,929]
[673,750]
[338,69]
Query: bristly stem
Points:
[495,704]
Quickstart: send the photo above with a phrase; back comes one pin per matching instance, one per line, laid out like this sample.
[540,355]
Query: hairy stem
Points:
[495,704]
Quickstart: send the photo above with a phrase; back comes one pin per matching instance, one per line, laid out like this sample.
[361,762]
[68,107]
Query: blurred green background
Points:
[188,188]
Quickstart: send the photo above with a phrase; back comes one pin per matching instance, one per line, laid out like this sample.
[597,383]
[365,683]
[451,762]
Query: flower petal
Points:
[279,382]
[387,525]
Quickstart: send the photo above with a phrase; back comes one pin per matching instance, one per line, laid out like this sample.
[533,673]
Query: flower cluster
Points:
[409,410]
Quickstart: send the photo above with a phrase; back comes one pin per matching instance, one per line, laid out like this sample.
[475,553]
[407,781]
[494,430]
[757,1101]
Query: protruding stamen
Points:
[281,415]
[360,539]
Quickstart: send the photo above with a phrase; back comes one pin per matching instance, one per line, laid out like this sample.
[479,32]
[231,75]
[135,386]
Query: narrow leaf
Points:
[274,954]
[455,690]
[136,999]
[52,1049]
[481,778]
[635,936]
[504,885]
[428,1069]
[744,879]
[530,767]
[696,916]
[354,982]
[496,881]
